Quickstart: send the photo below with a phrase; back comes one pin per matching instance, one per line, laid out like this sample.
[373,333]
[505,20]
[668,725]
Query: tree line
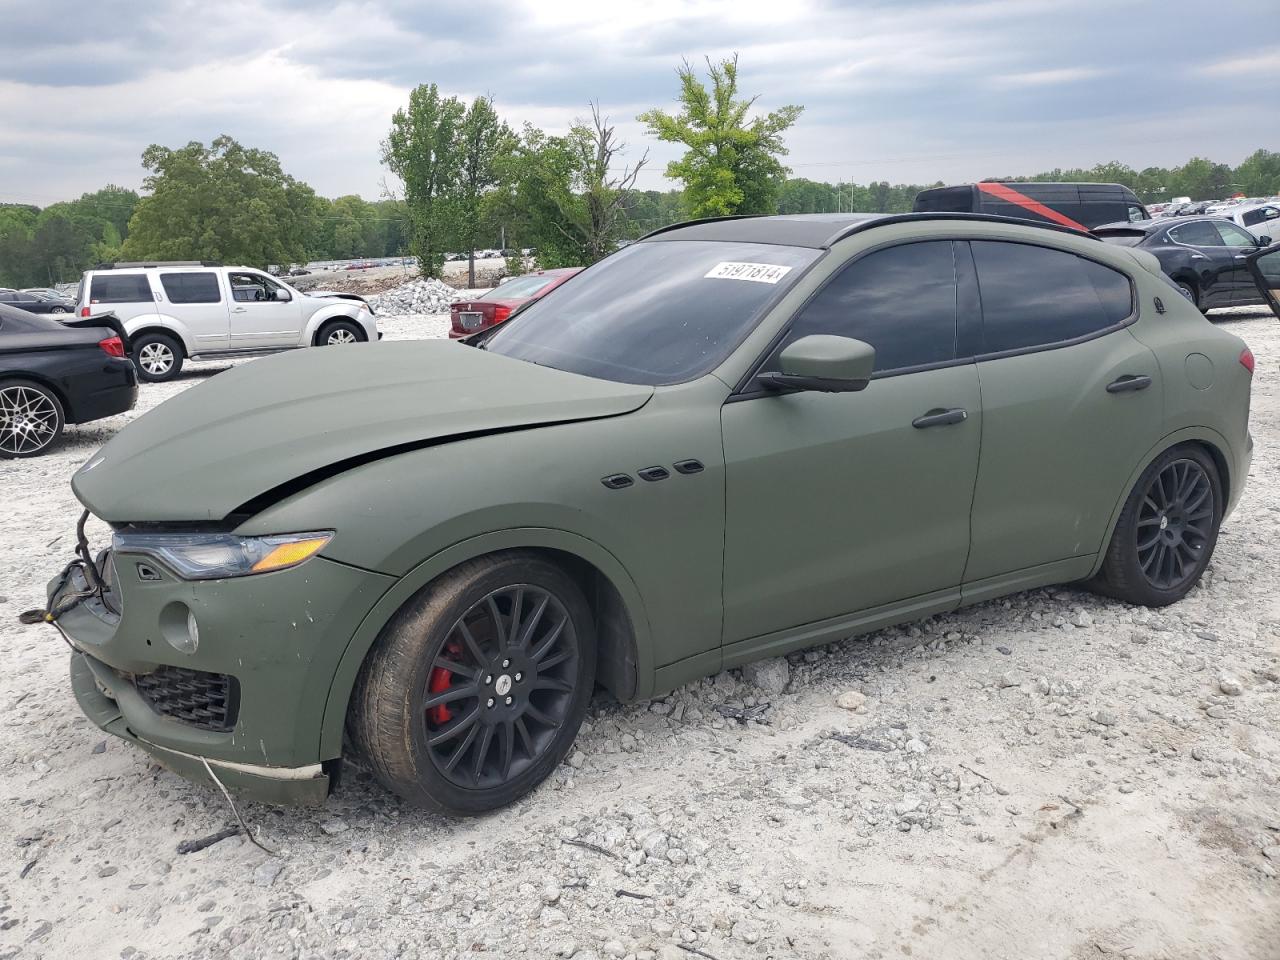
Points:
[466,180]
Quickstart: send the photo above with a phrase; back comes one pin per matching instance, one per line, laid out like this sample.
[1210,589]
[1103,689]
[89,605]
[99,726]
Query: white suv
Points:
[199,310]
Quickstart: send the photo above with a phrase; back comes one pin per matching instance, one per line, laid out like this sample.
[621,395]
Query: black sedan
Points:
[37,302]
[1207,257]
[55,373]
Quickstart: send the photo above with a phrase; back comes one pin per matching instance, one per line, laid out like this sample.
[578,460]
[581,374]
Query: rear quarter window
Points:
[191,287]
[120,288]
[1037,297]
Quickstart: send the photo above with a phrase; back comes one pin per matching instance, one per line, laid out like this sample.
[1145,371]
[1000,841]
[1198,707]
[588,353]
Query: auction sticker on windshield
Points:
[738,270]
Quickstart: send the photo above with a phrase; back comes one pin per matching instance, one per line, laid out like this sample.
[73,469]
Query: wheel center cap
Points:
[502,686]
[1164,523]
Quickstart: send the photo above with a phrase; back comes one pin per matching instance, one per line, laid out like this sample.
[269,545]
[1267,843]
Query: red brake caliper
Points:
[439,682]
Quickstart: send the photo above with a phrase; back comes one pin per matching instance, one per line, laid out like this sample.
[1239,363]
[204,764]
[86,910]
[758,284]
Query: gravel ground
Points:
[1053,775]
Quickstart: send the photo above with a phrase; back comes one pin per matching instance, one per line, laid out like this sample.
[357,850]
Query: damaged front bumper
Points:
[248,700]
[99,692]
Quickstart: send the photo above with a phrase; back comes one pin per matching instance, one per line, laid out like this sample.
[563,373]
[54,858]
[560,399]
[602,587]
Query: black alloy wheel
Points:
[1175,522]
[1167,530]
[477,685]
[500,687]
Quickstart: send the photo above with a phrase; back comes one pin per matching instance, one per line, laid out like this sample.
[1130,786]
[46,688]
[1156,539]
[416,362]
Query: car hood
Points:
[266,428]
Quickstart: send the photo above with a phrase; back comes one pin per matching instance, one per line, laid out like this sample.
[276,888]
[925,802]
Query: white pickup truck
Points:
[199,310]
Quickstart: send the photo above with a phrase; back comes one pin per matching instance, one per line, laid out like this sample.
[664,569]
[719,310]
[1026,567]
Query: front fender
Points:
[367,633]
[334,309]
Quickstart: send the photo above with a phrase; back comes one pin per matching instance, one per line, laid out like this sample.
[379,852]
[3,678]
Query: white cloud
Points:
[1264,63]
[909,90]
[1043,78]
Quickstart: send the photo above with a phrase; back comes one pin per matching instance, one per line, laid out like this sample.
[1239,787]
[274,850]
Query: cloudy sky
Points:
[903,90]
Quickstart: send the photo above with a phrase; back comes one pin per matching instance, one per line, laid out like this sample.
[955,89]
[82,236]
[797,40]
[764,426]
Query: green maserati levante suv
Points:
[732,439]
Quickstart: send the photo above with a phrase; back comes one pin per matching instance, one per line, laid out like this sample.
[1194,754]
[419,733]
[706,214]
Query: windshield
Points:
[659,312]
[518,288]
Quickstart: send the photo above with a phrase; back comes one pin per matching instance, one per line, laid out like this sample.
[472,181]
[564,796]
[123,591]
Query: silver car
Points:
[199,310]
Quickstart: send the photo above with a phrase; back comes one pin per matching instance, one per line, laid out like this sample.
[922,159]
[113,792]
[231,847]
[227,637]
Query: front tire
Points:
[1167,530]
[476,688]
[157,356]
[31,419]
[338,333]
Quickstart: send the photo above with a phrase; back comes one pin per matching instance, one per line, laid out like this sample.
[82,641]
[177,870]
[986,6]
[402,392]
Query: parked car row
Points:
[42,300]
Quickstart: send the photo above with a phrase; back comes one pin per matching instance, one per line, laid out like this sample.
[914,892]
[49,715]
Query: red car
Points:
[490,309]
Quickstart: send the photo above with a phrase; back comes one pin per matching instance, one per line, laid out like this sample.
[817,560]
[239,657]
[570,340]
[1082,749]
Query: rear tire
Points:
[1167,530]
[1190,292]
[456,711]
[31,419]
[157,356]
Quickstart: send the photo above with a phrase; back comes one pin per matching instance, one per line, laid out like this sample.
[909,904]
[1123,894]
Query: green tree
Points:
[731,164]
[1259,174]
[532,180]
[17,253]
[1202,179]
[222,202]
[111,204]
[422,150]
[482,139]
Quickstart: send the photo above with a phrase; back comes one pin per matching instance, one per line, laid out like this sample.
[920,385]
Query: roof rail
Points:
[690,223]
[157,263]
[885,221]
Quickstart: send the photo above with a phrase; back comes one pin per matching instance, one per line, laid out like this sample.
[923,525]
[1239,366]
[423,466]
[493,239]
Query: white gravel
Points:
[1052,775]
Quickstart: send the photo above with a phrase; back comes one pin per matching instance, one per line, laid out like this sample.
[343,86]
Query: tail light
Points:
[501,313]
[1246,359]
[112,347]
[84,311]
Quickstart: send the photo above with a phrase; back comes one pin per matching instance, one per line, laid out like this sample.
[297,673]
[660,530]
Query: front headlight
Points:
[211,556]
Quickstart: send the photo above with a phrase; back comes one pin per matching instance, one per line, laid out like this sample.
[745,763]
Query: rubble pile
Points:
[416,296]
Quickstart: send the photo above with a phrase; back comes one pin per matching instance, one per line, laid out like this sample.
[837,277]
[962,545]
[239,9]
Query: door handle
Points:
[941,418]
[1198,256]
[238,310]
[1129,384]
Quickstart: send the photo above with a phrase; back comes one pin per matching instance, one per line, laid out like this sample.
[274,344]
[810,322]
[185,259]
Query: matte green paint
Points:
[203,453]
[817,516]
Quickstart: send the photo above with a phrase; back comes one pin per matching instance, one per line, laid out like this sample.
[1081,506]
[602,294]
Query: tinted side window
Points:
[191,287]
[1198,234]
[1034,296]
[1260,215]
[901,300]
[1233,236]
[120,288]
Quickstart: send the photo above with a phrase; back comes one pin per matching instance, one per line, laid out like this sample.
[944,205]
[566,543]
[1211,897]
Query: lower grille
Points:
[209,701]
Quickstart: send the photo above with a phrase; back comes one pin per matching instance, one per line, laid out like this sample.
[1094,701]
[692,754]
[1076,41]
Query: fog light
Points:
[193,630]
[179,628]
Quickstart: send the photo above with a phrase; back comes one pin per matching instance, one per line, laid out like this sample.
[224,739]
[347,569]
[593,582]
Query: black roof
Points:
[817,230]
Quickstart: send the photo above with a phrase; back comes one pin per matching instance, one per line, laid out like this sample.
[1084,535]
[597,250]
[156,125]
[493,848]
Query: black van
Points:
[1077,205]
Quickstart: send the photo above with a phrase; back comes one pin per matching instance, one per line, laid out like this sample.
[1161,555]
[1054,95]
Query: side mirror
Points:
[280,295]
[824,363]
[1264,241]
